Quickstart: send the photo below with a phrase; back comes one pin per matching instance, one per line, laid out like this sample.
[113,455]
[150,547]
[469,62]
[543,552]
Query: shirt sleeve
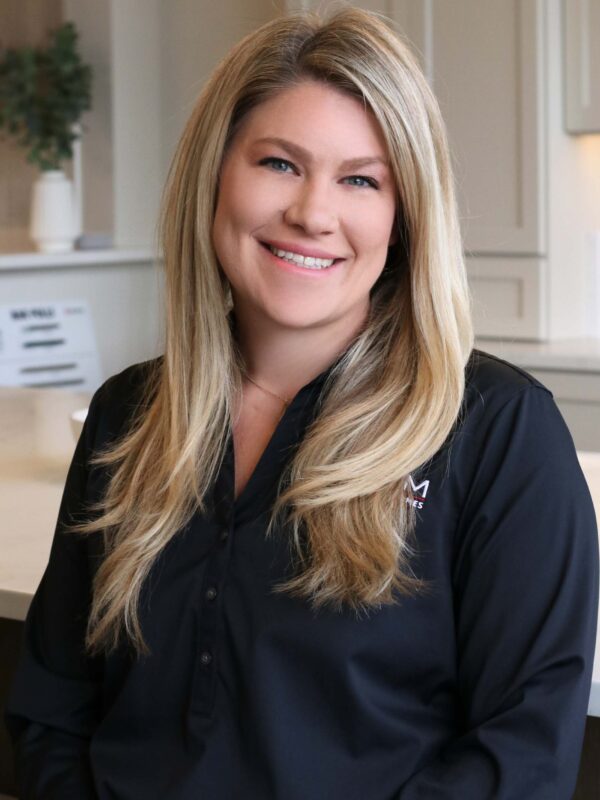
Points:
[525,580]
[53,704]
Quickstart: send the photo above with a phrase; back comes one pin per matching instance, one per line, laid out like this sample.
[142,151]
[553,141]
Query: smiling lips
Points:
[301,256]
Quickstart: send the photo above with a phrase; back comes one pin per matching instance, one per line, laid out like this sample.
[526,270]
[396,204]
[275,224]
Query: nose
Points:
[312,209]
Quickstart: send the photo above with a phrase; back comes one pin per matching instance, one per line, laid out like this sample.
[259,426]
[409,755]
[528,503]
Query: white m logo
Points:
[421,489]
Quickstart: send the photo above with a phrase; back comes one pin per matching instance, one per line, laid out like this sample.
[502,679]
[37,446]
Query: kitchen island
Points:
[36,446]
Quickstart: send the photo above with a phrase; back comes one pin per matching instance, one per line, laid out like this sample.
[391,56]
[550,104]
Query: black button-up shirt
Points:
[476,689]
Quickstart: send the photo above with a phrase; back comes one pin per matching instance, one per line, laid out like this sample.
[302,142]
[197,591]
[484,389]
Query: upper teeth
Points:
[305,261]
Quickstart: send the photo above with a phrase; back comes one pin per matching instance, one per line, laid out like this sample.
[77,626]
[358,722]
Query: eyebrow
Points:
[299,152]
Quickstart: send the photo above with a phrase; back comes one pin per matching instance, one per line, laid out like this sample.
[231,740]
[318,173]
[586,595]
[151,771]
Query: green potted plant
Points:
[43,93]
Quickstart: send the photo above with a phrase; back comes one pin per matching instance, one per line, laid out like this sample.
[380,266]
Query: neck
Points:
[283,359]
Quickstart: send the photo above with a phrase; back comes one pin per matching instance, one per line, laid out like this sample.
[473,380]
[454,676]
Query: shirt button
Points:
[211,593]
[206,658]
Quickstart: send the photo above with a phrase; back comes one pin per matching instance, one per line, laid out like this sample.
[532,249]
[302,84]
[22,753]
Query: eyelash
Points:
[370,182]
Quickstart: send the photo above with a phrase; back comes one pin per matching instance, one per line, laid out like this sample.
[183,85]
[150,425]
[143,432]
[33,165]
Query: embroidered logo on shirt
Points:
[419,493]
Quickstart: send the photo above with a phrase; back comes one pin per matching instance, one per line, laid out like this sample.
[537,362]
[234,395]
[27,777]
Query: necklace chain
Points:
[262,388]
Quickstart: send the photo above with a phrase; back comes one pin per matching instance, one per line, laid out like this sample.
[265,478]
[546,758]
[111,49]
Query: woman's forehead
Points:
[311,115]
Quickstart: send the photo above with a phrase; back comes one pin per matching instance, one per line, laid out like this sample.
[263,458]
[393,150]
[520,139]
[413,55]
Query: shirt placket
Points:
[203,693]
[227,516]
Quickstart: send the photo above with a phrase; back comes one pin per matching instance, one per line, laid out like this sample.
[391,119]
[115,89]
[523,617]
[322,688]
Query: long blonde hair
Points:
[387,406]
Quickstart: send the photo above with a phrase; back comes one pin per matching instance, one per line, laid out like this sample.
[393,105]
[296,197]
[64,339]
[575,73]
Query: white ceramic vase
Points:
[53,223]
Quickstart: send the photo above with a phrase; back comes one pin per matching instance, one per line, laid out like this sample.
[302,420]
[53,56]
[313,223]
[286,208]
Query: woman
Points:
[333,552]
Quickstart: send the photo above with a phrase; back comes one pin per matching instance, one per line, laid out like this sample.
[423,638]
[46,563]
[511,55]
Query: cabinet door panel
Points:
[582,65]
[509,296]
[485,62]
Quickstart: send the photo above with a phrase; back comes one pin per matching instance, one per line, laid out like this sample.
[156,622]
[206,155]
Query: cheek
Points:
[372,230]
[230,220]
[225,241]
[230,202]
[244,209]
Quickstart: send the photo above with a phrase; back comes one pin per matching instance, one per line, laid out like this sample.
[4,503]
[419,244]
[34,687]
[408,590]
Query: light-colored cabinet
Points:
[582,65]
[487,65]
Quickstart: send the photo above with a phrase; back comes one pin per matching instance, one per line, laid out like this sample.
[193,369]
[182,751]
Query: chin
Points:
[298,320]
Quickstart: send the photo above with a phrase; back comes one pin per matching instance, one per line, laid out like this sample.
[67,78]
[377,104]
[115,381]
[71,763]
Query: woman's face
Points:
[305,174]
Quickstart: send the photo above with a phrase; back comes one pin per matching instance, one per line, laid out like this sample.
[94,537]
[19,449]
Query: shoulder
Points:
[508,416]
[504,409]
[493,382]
[130,382]
[121,397]
[512,460]
[494,389]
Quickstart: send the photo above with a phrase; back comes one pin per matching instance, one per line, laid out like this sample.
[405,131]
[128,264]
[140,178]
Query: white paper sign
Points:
[49,344]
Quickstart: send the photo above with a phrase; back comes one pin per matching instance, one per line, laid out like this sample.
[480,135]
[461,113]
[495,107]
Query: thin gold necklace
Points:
[262,388]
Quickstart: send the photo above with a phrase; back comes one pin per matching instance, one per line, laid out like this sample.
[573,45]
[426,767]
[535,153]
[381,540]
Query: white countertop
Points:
[570,355]
[36,446]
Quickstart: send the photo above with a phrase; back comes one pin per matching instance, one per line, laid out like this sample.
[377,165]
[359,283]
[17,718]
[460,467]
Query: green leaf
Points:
[43,92]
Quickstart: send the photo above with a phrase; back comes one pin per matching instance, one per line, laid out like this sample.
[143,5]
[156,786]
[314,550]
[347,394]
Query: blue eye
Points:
[274,162]
[282,165]
[366,181]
